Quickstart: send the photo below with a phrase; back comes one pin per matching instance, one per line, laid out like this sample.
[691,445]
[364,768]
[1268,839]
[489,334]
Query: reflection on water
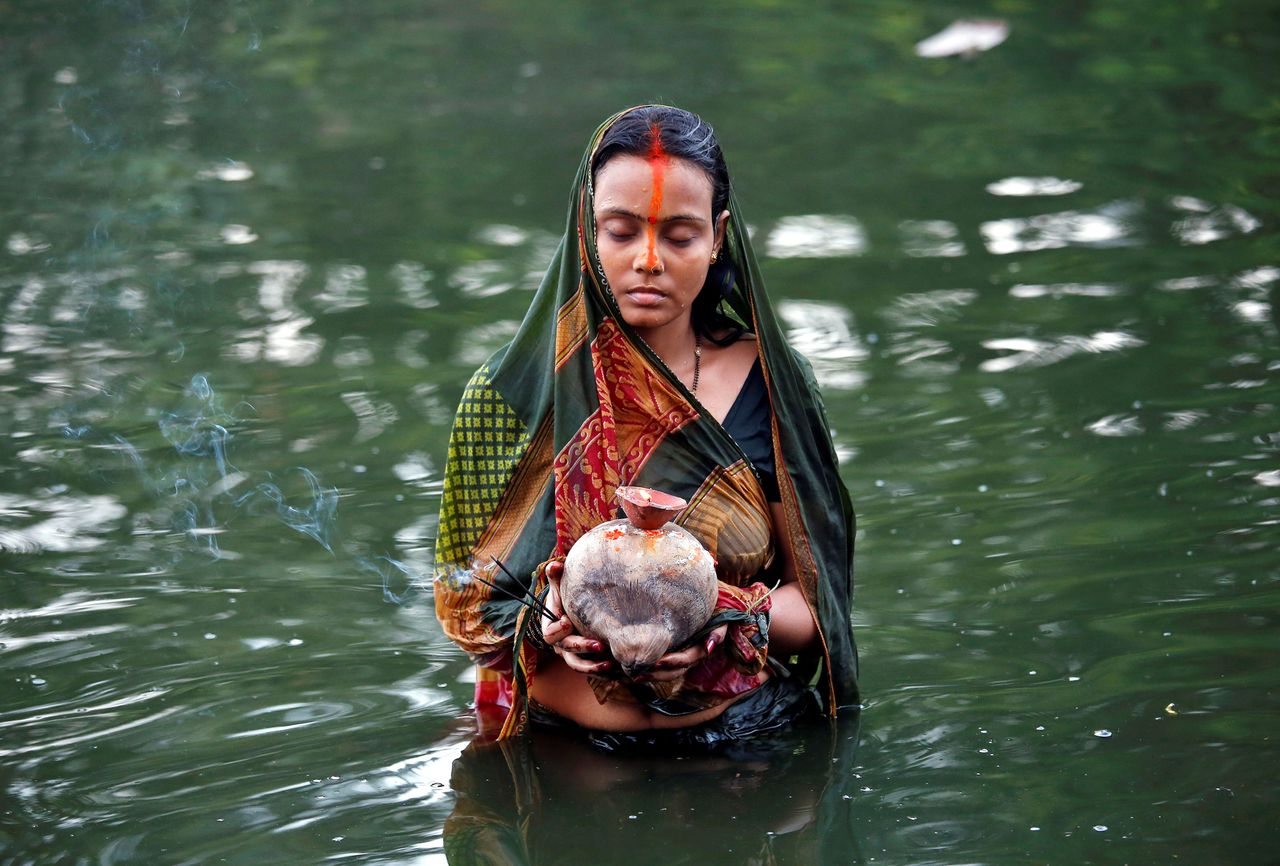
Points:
[783,798]
[250,257]
[816,237]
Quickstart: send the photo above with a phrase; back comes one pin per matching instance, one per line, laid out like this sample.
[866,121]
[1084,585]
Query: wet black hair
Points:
[685,135]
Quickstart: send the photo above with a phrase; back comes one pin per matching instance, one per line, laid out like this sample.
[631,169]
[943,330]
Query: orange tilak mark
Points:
[658,160]
[613,534]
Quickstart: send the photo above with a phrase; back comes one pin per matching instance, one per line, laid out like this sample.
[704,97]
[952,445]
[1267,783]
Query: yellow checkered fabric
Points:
[487,442]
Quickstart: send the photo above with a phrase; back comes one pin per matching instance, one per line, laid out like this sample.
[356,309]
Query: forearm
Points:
[791,626]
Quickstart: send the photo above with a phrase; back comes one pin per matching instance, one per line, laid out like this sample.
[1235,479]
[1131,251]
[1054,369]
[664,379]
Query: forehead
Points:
[628,182]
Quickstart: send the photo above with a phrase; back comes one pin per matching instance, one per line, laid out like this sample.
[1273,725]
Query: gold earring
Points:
[715,254]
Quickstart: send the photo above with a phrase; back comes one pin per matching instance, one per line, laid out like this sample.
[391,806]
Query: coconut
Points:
[642,586]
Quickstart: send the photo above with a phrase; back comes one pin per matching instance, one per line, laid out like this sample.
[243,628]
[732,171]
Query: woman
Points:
[649,356]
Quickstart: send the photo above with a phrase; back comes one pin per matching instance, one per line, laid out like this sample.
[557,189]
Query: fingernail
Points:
[712,643]
[596,646]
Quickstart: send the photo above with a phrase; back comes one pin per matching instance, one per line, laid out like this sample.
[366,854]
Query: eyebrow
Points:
[678,217]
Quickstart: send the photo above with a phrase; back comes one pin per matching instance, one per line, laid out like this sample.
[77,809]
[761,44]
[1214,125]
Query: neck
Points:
[673,344]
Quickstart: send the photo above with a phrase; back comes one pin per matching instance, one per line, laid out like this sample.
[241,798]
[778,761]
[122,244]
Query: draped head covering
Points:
[577,405]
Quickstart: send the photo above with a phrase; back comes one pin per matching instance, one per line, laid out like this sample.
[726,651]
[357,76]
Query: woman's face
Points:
[655,233]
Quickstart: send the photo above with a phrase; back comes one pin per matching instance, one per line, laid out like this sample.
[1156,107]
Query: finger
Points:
[552,601]
[555,631]
[682,659]
[584,666]
[576,643]
[554,570]
[714,640]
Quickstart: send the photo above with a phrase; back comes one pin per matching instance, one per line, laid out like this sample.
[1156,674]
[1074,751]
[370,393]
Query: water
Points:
[252,253]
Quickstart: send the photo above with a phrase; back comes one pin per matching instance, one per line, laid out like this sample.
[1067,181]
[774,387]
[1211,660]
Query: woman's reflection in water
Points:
[552,798]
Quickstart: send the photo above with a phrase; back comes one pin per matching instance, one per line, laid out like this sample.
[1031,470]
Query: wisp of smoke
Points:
[413,580]
[316,519]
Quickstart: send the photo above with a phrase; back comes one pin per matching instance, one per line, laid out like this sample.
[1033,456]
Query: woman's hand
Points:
[559,633]
[672,666]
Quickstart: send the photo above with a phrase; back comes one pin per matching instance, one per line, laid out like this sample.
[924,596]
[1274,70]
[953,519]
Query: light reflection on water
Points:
[229,356]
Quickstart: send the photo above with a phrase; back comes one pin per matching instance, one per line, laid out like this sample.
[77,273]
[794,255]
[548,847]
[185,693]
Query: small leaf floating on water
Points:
[1169,710]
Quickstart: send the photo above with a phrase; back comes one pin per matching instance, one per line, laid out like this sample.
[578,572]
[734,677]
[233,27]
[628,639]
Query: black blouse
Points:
[750,423]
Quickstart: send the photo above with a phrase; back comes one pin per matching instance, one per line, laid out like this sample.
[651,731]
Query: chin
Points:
[645,319]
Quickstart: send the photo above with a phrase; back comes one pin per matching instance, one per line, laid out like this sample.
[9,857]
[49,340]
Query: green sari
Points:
[577,405]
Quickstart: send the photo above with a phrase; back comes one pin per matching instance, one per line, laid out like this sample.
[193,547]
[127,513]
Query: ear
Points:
[722,222]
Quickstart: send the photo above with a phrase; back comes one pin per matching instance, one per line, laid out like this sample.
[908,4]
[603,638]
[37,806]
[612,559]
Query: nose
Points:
[648,261]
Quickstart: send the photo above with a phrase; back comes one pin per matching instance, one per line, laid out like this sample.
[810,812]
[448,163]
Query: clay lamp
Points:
[649,509]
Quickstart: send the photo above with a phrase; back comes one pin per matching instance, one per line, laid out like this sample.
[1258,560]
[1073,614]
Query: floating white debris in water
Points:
[956,541]
[1035,829]
[209,635]
[297,641]
[237,234]
[20,244]
[1270,478]
[982,488]
[231,171]
[1101,828]
[1039,727]
[38,681]
[1073,679]
[1169,710]
[964,38]
[1031,673]
[66,75]
[1102,733]
[1021,186]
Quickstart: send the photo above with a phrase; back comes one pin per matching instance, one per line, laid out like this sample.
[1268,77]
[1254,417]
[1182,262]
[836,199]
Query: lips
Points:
[646,296]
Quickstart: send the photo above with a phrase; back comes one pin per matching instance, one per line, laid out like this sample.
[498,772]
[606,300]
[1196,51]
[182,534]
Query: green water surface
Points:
[250,252]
